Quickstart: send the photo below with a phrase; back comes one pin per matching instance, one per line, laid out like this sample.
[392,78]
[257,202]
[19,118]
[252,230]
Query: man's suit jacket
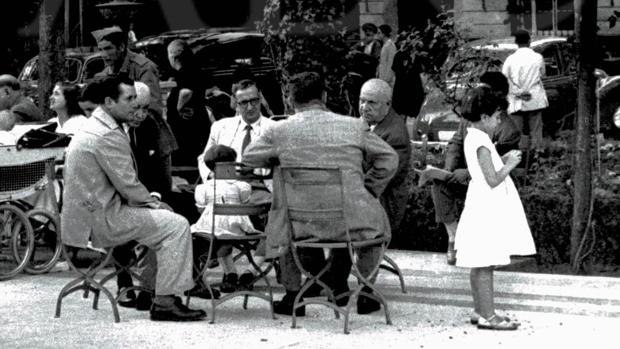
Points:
[229,132]
[393,130]
[102,188]
[151,167]
[319,137]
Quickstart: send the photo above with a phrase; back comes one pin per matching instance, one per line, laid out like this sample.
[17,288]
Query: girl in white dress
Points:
[493,225]
[228,191]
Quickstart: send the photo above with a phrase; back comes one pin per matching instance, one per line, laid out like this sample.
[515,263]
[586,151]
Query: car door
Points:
[560,91]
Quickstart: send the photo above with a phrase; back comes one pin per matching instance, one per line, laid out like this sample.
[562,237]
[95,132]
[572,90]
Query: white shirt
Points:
[230,132]
[7,138]
[524,70]
[71,126]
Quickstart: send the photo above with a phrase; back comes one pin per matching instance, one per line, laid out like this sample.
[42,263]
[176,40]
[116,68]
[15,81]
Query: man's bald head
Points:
[143,98]
[143,93]
[10,81]
[10,91]
[375,100]
[378,87]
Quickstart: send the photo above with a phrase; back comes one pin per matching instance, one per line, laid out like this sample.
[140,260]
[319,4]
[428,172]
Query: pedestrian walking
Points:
[493,225]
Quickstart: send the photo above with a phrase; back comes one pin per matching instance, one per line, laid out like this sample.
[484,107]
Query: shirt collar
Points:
[255,124]
[105,118]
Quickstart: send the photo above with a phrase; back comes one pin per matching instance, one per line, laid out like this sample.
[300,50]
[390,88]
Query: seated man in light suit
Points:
[316,136]
[104,201]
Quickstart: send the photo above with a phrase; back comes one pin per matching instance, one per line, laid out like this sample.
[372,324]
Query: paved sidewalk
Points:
[556,311]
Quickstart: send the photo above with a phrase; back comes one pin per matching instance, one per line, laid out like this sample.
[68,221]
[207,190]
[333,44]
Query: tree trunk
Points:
[585,32]
[51,52]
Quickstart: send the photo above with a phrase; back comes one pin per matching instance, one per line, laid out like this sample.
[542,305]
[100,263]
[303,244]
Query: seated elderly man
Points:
[12,98]
[104,201]
[316,136]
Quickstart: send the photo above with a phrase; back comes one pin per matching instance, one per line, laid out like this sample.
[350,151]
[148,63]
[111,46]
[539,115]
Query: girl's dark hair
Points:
[71,93]
[219,153]
[479,100]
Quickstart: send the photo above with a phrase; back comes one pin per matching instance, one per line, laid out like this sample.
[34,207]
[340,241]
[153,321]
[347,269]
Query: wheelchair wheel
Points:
[16,241]
[47,244]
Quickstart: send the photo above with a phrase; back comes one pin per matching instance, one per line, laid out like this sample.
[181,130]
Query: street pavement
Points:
[556,311]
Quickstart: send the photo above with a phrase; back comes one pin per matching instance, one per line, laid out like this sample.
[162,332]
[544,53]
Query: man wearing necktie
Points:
[238,131]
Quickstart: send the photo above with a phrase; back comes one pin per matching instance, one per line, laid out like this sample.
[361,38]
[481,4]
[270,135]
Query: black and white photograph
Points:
[309,174]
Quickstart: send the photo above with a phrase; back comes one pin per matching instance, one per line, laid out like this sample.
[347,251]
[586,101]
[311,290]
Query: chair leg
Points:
[393,268]
[87,283]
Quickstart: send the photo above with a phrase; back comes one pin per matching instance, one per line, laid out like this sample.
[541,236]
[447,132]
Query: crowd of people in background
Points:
[118,164]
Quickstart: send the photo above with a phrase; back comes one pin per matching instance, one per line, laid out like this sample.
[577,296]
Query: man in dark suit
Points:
[375,108]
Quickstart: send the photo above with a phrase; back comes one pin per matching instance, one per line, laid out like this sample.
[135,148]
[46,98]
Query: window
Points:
[92,67]
[552,66]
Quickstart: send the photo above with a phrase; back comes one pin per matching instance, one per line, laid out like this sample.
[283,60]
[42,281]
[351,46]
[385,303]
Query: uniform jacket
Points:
[101,185]
[322,138]
[139,68]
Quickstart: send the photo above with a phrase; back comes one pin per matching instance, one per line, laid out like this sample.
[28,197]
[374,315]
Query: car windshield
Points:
[30,72]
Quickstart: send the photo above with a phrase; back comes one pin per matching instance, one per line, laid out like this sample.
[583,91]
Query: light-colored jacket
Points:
[524,70]
[384,69]
[102,188]
[230,132]
[322,138]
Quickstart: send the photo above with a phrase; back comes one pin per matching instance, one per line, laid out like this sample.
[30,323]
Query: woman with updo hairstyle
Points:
[492,226]
[64,101]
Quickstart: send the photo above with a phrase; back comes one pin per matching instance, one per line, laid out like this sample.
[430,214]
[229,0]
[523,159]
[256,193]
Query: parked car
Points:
[438,119]
[81,65]
[222,54]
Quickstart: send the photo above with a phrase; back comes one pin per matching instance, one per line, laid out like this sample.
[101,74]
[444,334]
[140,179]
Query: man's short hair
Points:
[496,80]
[10,81]
[90,92]
[369,27]
[306,87]
[110,86]
[379,87]
[242,85]
[385,29]
[522,37]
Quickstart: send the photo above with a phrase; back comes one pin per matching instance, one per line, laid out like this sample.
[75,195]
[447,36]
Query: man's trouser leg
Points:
[170,240]
[535,123]
[312,259]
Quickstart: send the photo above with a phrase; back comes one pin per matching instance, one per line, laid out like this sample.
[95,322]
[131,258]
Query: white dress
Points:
[228,192]
[493,225]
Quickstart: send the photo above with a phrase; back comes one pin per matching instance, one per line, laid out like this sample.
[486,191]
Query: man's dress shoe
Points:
[128,299]
[144,301]
[176,311]
[367,305]
[285,305]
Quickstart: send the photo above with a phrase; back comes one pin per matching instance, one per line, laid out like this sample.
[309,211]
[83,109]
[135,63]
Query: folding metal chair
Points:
[245,244]
[318,214]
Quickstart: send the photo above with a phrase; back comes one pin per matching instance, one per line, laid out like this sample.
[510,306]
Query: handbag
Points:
[43,137]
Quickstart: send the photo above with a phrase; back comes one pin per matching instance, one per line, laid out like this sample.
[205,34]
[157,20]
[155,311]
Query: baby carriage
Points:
[29,236]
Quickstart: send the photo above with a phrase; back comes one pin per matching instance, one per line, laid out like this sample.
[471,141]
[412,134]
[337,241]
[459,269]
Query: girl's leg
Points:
[451,230]
[228,265]
[482,289]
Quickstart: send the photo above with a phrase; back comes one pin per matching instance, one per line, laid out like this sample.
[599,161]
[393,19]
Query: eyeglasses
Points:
[254,102]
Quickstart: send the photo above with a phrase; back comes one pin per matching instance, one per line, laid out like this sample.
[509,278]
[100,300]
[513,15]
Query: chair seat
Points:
[319,243]
[229,237]
[241,209]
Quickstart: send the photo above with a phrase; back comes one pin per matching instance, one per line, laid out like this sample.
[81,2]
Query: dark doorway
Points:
[416,14]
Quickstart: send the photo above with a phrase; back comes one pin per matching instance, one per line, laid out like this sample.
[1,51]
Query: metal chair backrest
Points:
[314,198]
[238,171]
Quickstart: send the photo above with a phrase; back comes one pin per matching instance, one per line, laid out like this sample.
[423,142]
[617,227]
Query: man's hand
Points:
[459,176]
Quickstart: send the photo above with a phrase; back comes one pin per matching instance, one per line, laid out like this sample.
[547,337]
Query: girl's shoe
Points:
[496,323]
[475,317]
[451,254]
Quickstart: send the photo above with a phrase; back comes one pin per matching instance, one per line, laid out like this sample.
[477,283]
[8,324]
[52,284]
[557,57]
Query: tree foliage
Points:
[307,36]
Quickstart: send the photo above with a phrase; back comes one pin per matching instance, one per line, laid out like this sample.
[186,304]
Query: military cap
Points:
[102,33]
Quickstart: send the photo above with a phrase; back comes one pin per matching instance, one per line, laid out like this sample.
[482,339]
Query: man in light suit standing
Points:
[104,201]
[316,136]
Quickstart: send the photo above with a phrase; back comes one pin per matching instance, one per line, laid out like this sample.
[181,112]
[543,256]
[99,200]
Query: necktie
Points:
[132,139]
[247,139]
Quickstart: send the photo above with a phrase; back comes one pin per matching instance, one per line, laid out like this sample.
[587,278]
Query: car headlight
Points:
[617,118]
